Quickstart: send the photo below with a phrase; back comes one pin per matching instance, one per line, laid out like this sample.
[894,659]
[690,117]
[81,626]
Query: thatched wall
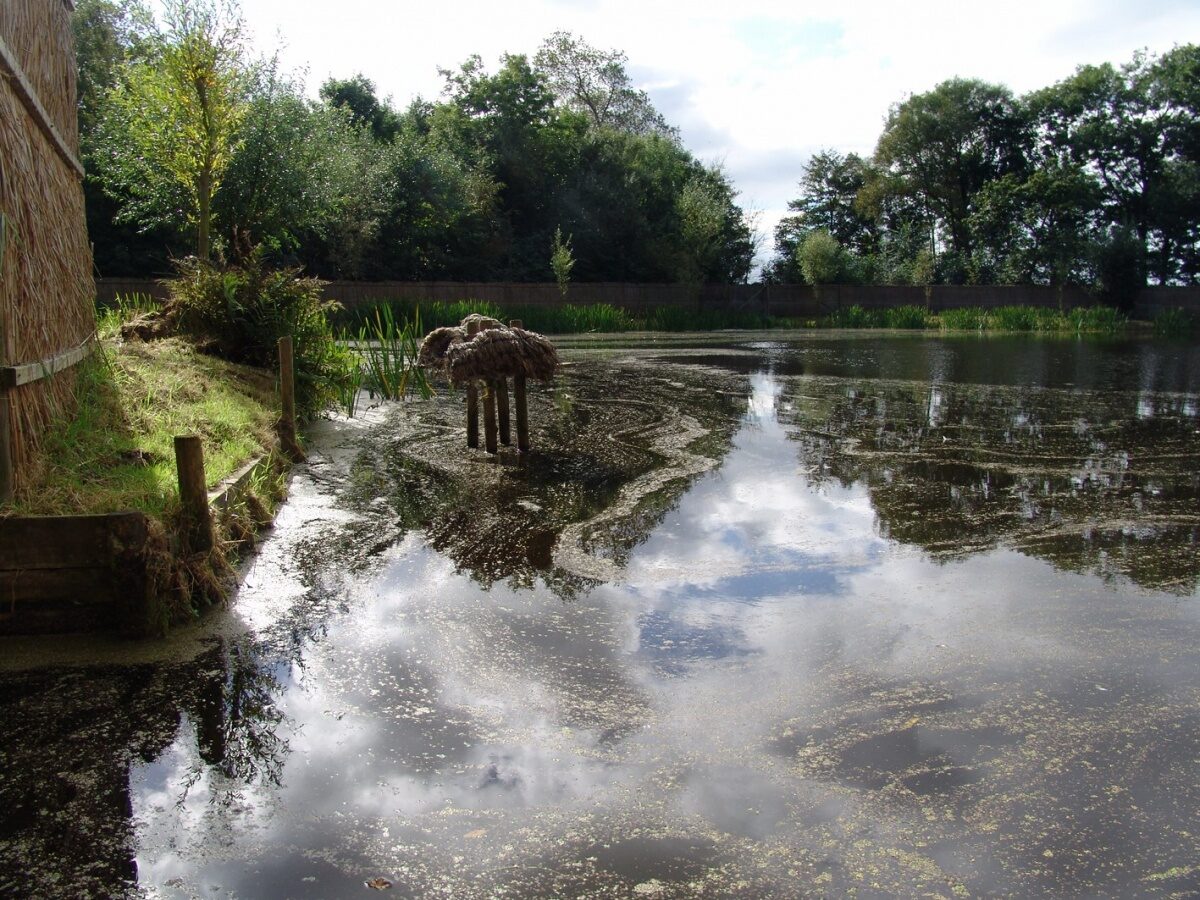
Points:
[46,285]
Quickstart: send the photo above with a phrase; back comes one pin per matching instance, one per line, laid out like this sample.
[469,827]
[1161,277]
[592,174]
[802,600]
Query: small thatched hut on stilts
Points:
[46,287]
[480,349]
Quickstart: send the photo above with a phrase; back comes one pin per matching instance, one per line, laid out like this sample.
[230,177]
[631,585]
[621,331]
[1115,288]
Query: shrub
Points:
[1015,318]
[243,310]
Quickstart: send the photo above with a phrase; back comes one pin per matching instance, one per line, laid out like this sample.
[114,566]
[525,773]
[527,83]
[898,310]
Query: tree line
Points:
[1093,181]
[194,147]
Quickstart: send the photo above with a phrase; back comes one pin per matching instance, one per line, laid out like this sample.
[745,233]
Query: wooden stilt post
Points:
[472,399]
[287,399]
[521,404]
[193,493]
[501,385]
[489,416]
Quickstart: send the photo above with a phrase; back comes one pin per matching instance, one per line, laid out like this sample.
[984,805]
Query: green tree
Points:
[822,259]
[1136,130]
[829,199]
[357,95]
[295,170]
[562,261]
[941,147]
[595,83]
[1038,229]
[170,127]
[108,34]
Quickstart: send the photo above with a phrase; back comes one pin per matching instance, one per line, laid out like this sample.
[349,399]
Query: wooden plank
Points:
[45,601]
[67,542]
[231,486]
[55,589]
[29,99]
[26,373]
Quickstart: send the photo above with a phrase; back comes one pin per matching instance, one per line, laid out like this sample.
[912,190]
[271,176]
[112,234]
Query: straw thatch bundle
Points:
[46,286]
[496,352]
[38,33]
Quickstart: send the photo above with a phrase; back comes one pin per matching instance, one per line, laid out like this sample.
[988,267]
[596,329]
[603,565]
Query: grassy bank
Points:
[118,452]
[581,319]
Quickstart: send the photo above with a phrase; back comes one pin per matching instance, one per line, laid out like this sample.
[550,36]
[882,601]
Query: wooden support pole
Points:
[193,493]
[472,399]
[489,416]
[288,435]
[521,404]
[502,408]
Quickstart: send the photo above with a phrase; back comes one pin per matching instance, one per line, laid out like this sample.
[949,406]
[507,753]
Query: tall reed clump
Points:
[386,349]
[572,318]
[908,317]
[853,317]
[241,311]
[1096,320]
[966,318]
[432,313]
[1176,323]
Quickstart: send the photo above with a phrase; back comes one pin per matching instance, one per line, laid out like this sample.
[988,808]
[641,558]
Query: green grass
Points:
[124,307]
[117,452]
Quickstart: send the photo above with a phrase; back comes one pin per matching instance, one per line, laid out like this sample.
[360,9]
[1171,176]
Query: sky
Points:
[756,85]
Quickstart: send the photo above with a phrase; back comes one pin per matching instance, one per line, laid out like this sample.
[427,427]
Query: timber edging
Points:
[73,573]
[92,573]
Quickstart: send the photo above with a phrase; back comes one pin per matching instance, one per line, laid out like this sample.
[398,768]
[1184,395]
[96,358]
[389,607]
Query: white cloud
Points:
[744,81]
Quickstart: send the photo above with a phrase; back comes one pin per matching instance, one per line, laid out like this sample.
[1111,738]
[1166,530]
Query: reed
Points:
[1175,323]
[387,349]
[46,286]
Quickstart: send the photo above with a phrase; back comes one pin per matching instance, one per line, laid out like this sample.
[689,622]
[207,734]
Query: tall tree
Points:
[595,83]
[940,148]
[357,95]
[170,127]
[295,170]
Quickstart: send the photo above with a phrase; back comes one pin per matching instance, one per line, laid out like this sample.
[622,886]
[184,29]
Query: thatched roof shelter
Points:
[495,352]
[46,286]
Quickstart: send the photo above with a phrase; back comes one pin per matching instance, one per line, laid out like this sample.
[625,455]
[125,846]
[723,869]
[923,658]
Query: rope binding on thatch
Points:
[496,351]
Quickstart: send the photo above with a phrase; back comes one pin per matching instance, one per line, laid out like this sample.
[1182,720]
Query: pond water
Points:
[761,615]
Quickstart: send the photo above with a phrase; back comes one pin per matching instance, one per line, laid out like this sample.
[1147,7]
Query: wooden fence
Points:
[771,299]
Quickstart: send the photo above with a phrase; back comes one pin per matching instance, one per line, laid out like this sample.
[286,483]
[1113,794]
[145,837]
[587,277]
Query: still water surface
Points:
[825,615]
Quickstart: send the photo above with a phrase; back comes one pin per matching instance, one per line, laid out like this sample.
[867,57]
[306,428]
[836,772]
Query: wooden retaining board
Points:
[69,573]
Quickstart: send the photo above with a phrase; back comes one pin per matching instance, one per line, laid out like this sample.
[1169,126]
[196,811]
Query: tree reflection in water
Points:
[1104,482]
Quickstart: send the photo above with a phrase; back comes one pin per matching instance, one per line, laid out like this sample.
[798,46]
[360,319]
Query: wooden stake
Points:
[472,399]
[288,435]
[193,493]
[489,416]
[502,409]
[521,403]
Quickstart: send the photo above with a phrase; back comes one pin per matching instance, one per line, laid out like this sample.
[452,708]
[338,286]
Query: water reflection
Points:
[827,655]
[1090,482]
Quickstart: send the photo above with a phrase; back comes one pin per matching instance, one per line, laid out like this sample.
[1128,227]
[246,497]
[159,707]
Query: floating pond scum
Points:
[822,615]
